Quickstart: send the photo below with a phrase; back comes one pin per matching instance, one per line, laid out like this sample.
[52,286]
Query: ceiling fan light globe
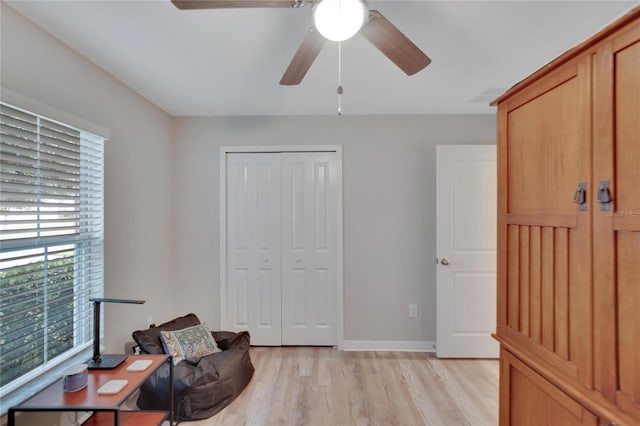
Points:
[339,20]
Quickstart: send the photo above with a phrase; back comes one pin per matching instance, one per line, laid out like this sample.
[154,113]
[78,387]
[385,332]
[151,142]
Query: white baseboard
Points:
[389,345]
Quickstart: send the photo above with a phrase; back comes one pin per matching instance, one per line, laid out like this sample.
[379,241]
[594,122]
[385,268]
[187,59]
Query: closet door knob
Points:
[265,260]
[298,260]
[444,262]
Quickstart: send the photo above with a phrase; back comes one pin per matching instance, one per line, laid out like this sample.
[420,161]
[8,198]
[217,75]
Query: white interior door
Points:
[254,266]
[466,249]
[309,195]
[281,251]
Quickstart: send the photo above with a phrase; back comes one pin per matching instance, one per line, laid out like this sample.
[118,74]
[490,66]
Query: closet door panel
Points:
[253,246]
[309,199]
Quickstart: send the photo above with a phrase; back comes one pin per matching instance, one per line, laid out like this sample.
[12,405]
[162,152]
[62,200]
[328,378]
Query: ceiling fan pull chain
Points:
[340,90]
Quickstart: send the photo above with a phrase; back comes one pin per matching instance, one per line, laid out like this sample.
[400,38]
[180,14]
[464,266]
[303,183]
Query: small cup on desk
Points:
[75,377]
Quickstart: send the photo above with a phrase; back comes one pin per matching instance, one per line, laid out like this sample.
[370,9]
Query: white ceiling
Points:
[229,62]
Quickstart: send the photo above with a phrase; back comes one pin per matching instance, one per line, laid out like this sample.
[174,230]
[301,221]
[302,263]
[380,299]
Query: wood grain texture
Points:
[394,44]
[535,401]
[627,220]
[604,294]
[568,368]
[547,288]
[88,397]
[513,277]
[548,146]
[592,400]
[577,120]
[562,293]
[304,57]
[537,219]
[503,243]
[628,250]
[580,253]
[524,281]
[230,4]
[627,223]
[546,150]
[627,107]
[128,418]
[324,386]
[504,390]
[535,325]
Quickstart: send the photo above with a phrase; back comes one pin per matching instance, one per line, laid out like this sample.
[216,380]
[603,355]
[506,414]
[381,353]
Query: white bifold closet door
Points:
[254,267]
[281,247]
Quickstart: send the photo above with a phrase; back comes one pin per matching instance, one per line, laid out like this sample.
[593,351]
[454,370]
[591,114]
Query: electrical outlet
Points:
[413,310]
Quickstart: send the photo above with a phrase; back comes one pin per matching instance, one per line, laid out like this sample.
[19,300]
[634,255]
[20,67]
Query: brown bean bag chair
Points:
[201,387]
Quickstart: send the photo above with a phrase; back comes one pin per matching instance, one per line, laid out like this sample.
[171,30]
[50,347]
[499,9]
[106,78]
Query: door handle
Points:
[444,262]
[298,260]
[265,260]
[604,196]
[580,197]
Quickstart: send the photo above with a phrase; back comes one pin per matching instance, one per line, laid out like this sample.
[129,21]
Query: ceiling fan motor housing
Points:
[339,20]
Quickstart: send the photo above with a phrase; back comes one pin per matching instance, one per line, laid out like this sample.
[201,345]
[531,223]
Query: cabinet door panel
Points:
[568,282]
[627,96]
[628,265]
[533,401]
[626,223]
[548,152]
[616,232]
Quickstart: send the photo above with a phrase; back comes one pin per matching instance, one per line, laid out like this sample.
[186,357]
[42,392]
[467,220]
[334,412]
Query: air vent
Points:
[488,95]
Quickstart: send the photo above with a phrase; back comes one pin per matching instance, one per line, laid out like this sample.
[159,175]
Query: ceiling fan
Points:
[377,29]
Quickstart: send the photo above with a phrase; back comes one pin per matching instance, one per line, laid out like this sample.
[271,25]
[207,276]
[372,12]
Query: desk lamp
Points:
[105,362]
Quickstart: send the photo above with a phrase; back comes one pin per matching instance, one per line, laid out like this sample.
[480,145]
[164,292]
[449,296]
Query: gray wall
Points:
[389,209]
[162,245]
[138,166]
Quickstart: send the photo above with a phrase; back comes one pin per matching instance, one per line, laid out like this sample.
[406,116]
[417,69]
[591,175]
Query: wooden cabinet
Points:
[568,262]
[534,401]
[617,232]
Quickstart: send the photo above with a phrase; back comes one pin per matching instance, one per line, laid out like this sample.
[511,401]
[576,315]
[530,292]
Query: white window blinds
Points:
[51,242]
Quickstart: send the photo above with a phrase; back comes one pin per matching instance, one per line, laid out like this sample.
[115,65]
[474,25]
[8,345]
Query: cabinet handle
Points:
[580,197]
[604,196]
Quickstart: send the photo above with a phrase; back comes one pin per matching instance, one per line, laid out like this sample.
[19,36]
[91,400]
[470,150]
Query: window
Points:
[51,242]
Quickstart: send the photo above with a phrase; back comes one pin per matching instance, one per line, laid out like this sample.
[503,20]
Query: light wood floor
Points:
[327,387]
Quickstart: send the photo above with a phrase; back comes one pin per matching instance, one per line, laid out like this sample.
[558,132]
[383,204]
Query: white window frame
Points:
[19,389]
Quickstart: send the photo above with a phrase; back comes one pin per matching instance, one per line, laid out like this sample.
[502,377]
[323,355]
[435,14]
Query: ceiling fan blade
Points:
[233,4]
[395,45]
[304,57]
